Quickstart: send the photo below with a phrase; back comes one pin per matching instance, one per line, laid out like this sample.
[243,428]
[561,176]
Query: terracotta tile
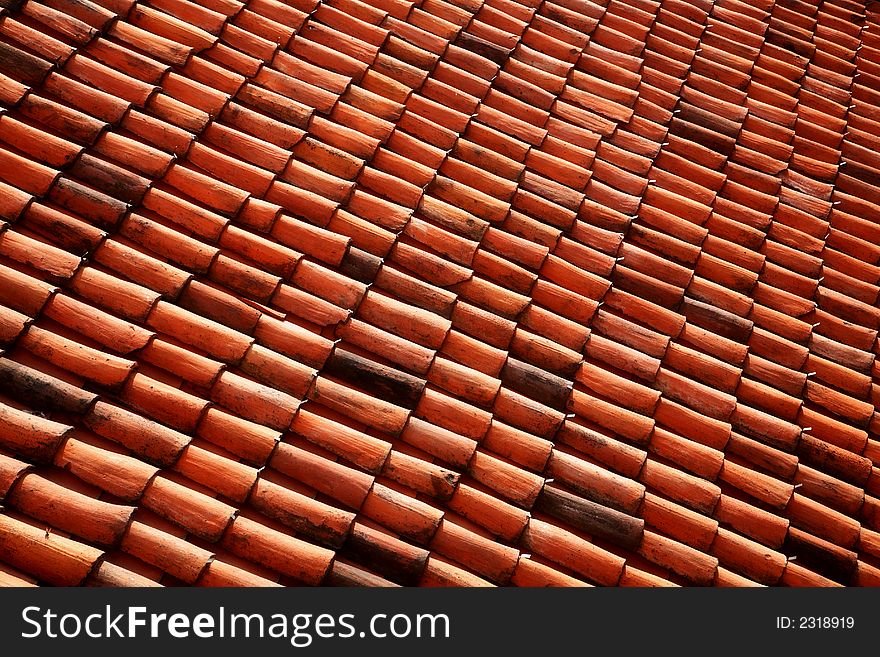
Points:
[771,329]
[557,345]
[53,262]
[694,566]
[468,199]
[222,197]
[620,330]
[112,575]
[133,154]
[449,447]
[408,288]
[396,349]
[189,366]
[646,312]
[520,447]
[366,451]
[164,47]
[527,414]
[379,211]
[252,442]
[255,401]
[478,355]
[128,62]
[154,442]
[631,425]
[42,391]
[702,460]
[856,384]
[462,381]
[751,521]
[364,235]
[868,541]
[329,285]
[57,560]
[308,307]
[30,435]
[389,384]
[319,243]
[386,555]
[12,324]
[308,517]
[421,476]
[344,574]
[796,575]
[441,573]
[104,369]
[13,91]
[516,485]
[596,483]
[622,357]
[92,520]
[459,250]
[679,523]
[186,252]
[453,414]
[173,555]
[487,558]
[219,573]
[26,174]
[141,268]
[634,577]
[118,85]
[24,65]
[421,327]
[63,229]
[628,393]
[339,482]
[821,521]
[489,512]
[490,296]
[164,403]
[839,404]
[570,551]
[158,132]
[407,517]
[54,151]
[118,335]
[574,278]
[833,459]
[250,178]
[827,559]
[217,340]
[13,203]
[699,397]
[93,205]
[530,573]
[597,520]
[679,486]
[756,562]
[767,489]
[834,431]
[285,554]
[195,512]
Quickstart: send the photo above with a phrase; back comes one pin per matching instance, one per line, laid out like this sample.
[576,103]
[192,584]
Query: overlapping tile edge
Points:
[439,293]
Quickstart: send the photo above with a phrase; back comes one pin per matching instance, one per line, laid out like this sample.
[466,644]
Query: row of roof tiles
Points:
[467,192]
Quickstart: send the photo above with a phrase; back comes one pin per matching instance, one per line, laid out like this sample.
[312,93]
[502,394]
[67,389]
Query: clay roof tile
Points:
[481,217]
[146,438]
[54,559]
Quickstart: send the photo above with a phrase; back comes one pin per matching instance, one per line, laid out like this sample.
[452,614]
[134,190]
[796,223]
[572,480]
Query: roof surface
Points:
[503,292]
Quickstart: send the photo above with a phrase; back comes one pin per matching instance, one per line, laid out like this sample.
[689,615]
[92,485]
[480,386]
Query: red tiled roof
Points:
[444,292]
